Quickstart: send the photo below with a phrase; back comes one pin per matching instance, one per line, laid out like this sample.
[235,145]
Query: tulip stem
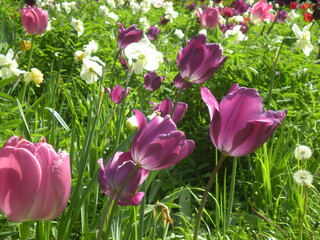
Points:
[177,98]
[205,195]
[113,70]
[33,40]
[24,230]
[122,107]
[273,75]
[104,218]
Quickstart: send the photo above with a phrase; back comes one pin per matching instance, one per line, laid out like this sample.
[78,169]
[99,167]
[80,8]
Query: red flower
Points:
[293,5]
[307,17]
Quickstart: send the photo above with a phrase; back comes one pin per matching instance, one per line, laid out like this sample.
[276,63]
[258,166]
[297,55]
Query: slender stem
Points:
[122,107]
[24,230]
[33,41]
[104,217]
[273,75]
[141,213]
[113,65]
[231,196]
[274,21]
[117,197]
[205,195]
[305,196]
[40,230]
[177,98]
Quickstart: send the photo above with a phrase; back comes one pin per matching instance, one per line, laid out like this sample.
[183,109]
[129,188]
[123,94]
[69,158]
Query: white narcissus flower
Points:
[303,37]
[91,70]
[34,75]
[179,33]
[9,65]
[143,55]
[238,35]
[91,47]
[78,26]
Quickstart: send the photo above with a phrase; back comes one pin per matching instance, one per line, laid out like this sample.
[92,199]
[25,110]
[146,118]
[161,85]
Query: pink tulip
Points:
[198,61]
[166,107]
[260,12]
[239,124]
[117,94]
[158,144]
[34,20]
[152,81]
[114,176]
[127,36]
[209,18]
[35,180]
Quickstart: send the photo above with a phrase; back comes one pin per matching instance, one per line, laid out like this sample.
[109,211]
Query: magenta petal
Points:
[20,175]
[141,119]
[180,83]
[179,112]
[210,101]
[165,107]
[134,201]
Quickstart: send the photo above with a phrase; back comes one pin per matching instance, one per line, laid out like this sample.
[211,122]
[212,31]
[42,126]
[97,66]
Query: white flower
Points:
[111,3]
[91,69]
[91,47]
[293,14]
[135,7]
[103,9]
[303,178]
[34,75]
[144,22]
[222,20]
[132,123]
[9,65]
[78,26]
[145,6]
[303,36]
[143,55]
[236,19]
[203,31]
[157,3]
[302,152]
[179,33]
[238,35]
[171,14]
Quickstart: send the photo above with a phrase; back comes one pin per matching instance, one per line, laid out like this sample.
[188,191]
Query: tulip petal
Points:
[20,175]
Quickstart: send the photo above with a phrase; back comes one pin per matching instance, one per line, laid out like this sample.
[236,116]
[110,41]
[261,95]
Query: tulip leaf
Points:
[27,130]
[10,124]
[58,117]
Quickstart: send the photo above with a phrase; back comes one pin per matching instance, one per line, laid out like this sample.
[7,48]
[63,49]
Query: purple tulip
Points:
[34,20]
[114,175]
[192,6]
[153,33]
[117,93]
[166,107]
[227,12]
[35,180]
[282,15]
[209,18]
[239,124]
[240,7]
[127,36]
[158,144]
[152,81]
[198,61]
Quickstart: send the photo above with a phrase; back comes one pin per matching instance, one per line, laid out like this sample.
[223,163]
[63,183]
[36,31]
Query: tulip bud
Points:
[34,20]
[35,180]
[117,94]
[152,81]
[153,33]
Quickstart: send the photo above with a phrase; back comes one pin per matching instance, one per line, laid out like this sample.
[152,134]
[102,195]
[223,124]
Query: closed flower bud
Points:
[34,76]
[34,20]
[35,180]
